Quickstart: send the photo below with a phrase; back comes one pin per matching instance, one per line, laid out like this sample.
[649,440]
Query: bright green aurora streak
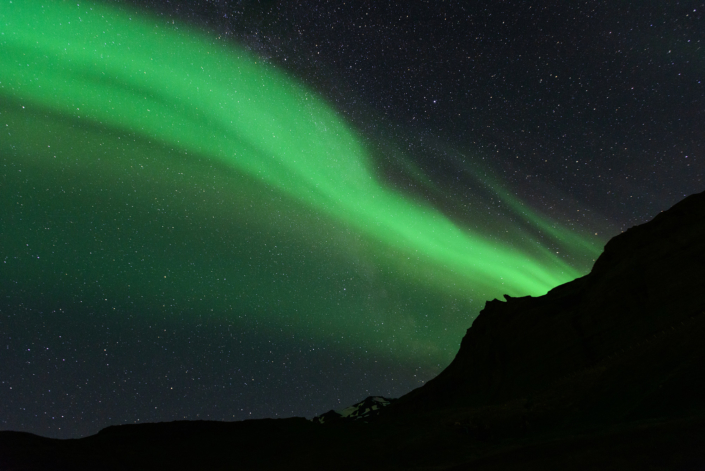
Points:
[180,92]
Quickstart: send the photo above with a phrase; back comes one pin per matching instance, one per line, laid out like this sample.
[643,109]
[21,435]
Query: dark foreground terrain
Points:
[604,372]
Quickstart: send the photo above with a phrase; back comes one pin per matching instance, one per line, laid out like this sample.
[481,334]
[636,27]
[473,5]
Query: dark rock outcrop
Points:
[620,343]
[365,410]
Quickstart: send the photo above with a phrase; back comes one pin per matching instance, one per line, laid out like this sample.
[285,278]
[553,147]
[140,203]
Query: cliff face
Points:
[625,337]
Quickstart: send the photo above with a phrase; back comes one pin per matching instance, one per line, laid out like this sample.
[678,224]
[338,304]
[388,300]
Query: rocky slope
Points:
[619,344]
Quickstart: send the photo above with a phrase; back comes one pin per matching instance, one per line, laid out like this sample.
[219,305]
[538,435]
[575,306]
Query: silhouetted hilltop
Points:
[619,344]
[365,410]
[604,372]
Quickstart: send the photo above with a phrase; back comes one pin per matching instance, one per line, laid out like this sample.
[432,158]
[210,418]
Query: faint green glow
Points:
[183,89]
[220,159]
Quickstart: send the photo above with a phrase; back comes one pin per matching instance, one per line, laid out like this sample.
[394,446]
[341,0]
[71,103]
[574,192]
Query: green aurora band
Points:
[103,97]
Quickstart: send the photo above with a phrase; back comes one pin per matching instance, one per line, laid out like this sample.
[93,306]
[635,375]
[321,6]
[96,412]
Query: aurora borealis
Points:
[192,231]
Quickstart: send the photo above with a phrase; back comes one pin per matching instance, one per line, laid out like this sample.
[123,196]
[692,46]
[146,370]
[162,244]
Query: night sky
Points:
[228,210]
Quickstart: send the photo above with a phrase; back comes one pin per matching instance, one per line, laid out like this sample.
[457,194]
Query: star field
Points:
[236,209]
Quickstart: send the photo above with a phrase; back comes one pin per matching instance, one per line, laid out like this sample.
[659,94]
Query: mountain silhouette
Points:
[603,372]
